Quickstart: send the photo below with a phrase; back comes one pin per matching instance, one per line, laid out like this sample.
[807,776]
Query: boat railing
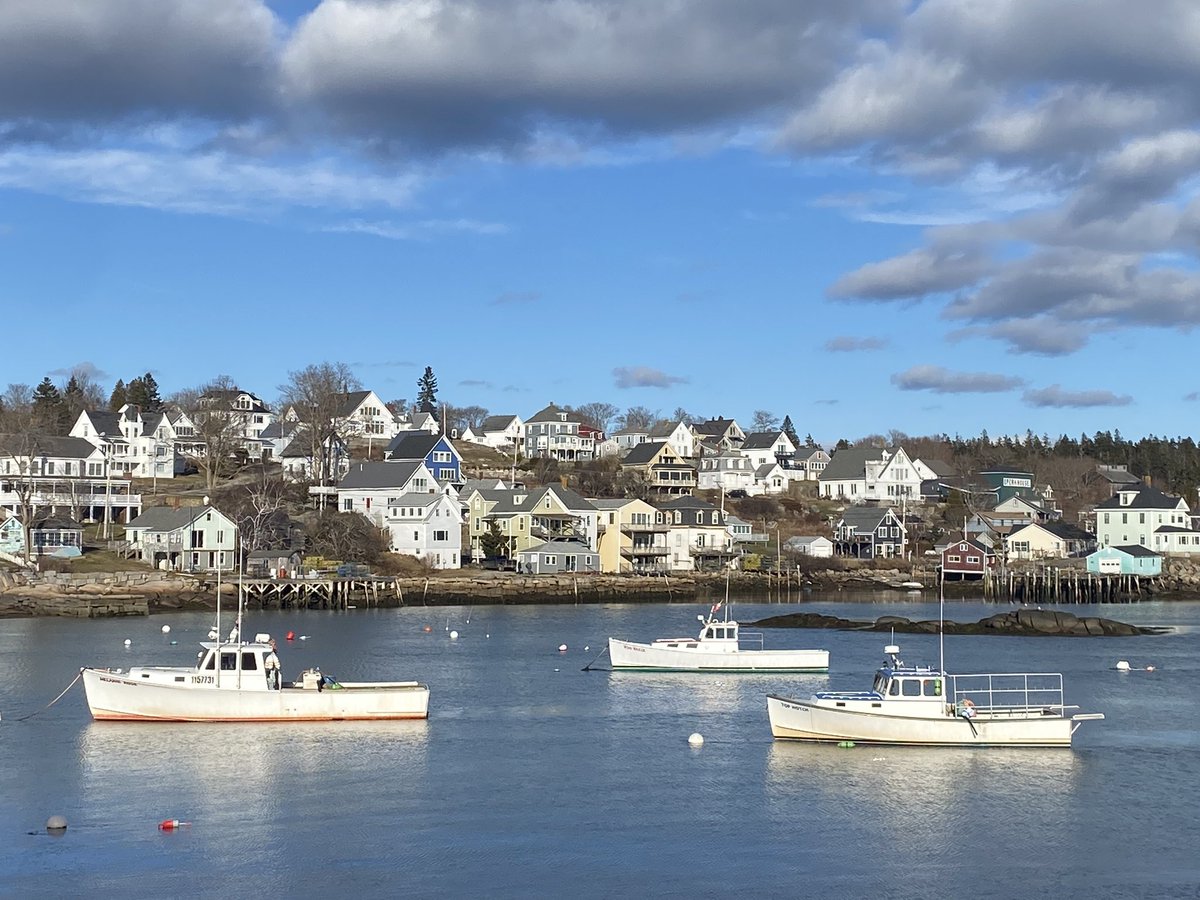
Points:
[1010,693]
[754,638]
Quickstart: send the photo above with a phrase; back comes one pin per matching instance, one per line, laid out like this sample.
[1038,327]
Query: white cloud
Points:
[1055,397]
[644,376]
[943,381]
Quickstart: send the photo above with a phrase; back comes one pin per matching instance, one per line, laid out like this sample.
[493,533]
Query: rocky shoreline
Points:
[143,592]
[1019,622]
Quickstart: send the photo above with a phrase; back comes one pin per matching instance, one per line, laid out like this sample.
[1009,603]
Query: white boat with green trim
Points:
[718,648]
[922,706]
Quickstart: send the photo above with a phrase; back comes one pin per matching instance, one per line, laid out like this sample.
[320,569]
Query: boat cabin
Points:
[714,635]
[896,681]
[223,663]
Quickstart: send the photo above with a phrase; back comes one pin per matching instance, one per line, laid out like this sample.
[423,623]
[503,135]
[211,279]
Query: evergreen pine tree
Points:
[135,393]
[152,402]
[427,391]
[74,401]
[790,430]
[48,406]
[119,396]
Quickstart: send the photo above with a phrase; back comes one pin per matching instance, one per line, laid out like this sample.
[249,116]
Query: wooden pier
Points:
[1051,584]
[323,593]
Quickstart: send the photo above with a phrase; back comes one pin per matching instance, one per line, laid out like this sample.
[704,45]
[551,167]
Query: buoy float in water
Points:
[1149,668]
[173,643]
[304,637]
[845,745]
[695,739]
[454,635]
[1122,665]
[128,642]
[166,629]
[56,824]
[172,825]
[291,635]
[562,648]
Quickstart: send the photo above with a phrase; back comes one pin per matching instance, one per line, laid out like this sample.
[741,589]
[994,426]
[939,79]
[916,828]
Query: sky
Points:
[869,215]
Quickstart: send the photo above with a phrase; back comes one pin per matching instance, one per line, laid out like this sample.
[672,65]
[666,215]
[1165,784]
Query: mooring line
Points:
[52,702]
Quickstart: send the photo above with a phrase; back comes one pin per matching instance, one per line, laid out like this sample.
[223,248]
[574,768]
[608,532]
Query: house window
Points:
[1106,518]
[551,560]
[347,505]
[952,558]
[416,535]
[441,535]
[973,560]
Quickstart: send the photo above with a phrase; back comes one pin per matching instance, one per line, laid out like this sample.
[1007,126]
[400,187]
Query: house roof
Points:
[764,470]
[508,504]
[551,413]
[865,518]
[105,422]
[643,453]
[1132,550]
[1146,498]
[686,502]
[762,440]
[1062,530]
[370,475]
[850,463]
[56,523]
[804,540]
[969,541]
[350,401]
[55,445]
[1117,475]
[557,547]
[940,468]
[168,518]
[412,498]
[664,429]
[414,445]
[714,427]
[496,423]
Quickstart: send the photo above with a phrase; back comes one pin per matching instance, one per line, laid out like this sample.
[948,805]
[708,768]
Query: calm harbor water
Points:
[533,778]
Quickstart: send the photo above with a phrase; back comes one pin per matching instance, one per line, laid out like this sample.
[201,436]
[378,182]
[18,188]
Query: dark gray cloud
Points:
[1055,397]
[1040,336]
[849,344]
[94,63]
[501,72]
[910,275]
[644,376]
[86,367]
[1192,397]
[943,381]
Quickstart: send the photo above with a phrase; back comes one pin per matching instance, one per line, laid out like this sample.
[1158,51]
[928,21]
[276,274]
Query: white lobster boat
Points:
[238,681]
[918,705]
[718,648]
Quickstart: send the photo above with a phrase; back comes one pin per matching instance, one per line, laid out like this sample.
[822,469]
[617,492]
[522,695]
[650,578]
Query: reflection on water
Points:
[675,692]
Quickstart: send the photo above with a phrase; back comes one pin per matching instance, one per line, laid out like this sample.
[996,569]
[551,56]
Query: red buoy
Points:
[291,636]
[171,824]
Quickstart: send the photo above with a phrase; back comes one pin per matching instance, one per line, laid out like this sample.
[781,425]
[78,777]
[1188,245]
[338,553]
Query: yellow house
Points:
[632,537]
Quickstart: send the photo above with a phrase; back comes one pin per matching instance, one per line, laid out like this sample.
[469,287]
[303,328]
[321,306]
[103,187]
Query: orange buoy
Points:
[291,635]
[171,824]
[428,629]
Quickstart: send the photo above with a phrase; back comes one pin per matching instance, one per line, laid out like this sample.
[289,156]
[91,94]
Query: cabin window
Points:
[894,690]
[228,662]
[911,687]
[210,663]
[932,687]
[249,662]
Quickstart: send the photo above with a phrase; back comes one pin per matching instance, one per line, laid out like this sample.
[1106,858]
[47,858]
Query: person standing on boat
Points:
[271,665]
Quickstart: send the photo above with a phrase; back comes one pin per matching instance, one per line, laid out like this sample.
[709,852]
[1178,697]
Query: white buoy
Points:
[454,635]
[1149,668]
[562,648]
[586,648]
[695,739]
[488,635]
[304,637]
[166,629]
[56,824]
[1123,665]
[128,642]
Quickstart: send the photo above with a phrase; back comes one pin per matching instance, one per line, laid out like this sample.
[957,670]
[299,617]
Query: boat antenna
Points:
[942,629]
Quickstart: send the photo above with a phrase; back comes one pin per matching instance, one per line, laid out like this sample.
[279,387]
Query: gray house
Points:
[554,557]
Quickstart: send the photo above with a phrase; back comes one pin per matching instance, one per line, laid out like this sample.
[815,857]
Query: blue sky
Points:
[872,215]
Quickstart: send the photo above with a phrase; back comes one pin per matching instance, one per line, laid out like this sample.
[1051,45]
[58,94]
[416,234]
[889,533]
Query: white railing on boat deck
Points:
[1011,693]
[750,637]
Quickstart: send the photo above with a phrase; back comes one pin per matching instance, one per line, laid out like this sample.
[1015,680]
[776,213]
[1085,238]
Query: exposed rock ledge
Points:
[1022,622]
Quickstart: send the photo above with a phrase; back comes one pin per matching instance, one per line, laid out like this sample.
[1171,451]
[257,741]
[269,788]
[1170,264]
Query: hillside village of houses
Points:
[418,496]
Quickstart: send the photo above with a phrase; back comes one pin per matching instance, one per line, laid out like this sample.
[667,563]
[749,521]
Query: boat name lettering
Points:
[202,679]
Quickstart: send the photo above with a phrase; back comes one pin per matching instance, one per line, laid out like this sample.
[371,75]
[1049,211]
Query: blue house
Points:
[435,450]
[1132,559]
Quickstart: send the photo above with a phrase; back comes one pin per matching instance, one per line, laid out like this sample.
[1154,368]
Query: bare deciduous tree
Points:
[317,394]
[22,436]
[598,414]
[217,424]
[638,417]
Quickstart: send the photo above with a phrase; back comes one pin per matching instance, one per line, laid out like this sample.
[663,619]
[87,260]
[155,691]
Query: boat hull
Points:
[803,720]
[112,697]
[630,656]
